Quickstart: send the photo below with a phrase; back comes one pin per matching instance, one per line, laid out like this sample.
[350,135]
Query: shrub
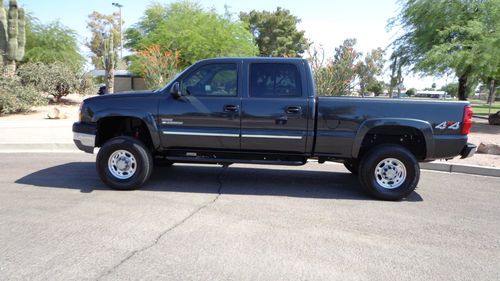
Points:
[411,92]
[156,66]
[16,98]
[87,86]
[56,79]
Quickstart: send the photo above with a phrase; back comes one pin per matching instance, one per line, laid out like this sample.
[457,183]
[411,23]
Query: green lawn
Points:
[481,108]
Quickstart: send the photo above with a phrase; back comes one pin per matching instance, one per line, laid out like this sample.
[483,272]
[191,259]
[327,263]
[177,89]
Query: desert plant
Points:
[156,66]
[56,79]
[87,86]
[16,97]
[334,76]
[12,36]
[108,60]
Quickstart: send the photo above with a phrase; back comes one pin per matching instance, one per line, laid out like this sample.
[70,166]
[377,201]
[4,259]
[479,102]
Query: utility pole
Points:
[120,6]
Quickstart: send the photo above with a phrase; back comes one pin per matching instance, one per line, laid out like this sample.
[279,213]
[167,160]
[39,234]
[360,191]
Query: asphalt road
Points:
[59,222]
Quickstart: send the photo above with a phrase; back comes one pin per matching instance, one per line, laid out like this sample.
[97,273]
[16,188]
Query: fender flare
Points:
[146,117]
[423,126]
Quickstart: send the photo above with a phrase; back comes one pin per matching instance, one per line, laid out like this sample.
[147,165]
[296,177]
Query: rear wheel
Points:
[389,172]
[124,163]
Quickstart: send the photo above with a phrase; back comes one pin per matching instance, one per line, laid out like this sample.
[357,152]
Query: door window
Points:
[212,80]
[274,80]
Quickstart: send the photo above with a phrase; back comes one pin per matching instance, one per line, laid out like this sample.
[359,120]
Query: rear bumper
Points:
[84,136]
[448,146]
[468,151]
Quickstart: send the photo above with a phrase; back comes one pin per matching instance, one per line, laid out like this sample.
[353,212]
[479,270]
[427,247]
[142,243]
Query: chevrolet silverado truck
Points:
[266,111]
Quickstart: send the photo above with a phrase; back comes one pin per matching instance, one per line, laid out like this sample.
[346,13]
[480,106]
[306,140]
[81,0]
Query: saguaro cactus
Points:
[109,58]
[12,36]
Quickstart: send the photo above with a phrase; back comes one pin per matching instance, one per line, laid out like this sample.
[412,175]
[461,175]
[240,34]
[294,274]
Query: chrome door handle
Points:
[232,108]
[293,109]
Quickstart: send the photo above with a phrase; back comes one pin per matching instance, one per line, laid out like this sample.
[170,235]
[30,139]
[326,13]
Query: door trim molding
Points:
[272,136]
[260,136]
[177,133]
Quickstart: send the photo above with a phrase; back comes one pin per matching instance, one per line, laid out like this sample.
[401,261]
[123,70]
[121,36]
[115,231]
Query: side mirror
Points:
[175,91]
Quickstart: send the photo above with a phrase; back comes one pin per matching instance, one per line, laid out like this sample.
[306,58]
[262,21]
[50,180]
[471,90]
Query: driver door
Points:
[207,115]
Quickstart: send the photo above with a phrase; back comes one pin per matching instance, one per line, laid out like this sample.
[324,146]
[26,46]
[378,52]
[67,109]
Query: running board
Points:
[231,161]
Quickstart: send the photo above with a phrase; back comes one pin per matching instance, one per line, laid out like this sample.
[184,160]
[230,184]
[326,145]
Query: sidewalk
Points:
[36,135]
[34,132]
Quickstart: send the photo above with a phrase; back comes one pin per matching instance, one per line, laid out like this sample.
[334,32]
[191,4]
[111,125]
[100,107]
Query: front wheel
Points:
[124,163]
[389,172]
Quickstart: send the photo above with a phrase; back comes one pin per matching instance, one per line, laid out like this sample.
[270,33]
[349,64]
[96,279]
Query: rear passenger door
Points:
[275,109]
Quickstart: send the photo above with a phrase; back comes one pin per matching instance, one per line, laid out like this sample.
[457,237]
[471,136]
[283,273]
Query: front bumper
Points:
[84,136]
[468,151]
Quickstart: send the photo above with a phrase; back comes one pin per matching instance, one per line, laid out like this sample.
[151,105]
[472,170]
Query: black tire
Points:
[143,163]
[352,165]
[398,190]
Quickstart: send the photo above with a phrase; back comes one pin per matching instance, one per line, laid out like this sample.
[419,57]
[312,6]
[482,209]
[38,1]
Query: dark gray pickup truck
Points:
[265,111]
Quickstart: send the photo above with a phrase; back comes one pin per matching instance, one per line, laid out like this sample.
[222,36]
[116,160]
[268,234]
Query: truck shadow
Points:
[292,182]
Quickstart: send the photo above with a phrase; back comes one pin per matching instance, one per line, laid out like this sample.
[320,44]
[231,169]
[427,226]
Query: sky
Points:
[326,23]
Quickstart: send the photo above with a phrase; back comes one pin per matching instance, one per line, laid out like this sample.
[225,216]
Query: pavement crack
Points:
[166,231]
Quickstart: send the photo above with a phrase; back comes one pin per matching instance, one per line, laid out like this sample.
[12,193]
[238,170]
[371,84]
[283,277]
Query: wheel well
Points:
[408,137]
[110,127]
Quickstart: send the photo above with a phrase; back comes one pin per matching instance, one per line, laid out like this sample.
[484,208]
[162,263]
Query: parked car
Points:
[266,111]
[101,89]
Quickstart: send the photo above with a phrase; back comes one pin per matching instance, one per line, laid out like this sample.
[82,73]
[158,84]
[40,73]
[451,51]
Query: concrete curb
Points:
[461,168]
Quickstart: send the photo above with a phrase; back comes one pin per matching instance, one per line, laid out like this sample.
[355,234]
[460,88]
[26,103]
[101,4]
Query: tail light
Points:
[467,122]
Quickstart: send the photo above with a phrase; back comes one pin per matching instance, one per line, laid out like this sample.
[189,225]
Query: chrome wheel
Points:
[390,173]
[122,164]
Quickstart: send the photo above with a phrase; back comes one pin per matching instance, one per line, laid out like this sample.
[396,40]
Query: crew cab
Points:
[266,111]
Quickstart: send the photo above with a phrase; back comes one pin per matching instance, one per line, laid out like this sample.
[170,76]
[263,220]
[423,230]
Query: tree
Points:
[334,77]
[53,42]
[322,73]
[102,27]
[411,92]
[276,32]
[155,66]
[344,67]
[451,89]
[194,32]
[398,61]
[376,87]
[490,72]
[442,36]
[369,68]
[154,14]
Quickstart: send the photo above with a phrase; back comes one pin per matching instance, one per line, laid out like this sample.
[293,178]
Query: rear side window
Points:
[274,80]
[212,80]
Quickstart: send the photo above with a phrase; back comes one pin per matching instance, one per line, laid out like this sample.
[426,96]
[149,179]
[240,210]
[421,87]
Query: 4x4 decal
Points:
[452,125]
